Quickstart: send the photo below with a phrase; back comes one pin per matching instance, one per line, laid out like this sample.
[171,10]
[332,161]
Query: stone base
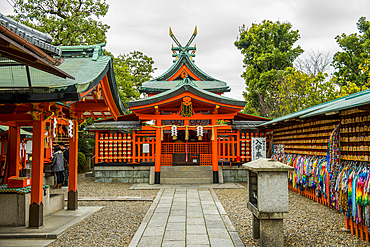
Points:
[122,174]
[271,233]
[72,200]
[255,227]
[215,177]
[234,174]
[157,178]
[36,219]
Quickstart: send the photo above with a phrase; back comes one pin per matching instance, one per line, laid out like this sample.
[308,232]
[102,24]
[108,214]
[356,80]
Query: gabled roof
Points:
[184,67]
[328,108]
[36,38]
[86,64]
[163,82]
[18,51]
[186,88]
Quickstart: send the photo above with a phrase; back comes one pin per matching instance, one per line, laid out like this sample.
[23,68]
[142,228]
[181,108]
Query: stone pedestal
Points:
[255,227]
[271,233]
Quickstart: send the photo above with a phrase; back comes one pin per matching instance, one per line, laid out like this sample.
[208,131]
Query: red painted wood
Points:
[37,161]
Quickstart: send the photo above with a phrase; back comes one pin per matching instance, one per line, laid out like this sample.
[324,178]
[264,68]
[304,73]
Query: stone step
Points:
[186,174]
[186,168]
[186,180]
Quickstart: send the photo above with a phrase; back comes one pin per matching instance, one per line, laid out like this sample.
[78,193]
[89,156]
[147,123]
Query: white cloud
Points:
[143,25]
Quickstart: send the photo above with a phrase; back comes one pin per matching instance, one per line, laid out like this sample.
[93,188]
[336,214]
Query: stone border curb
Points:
[54,234]
[135,240]
[229,225]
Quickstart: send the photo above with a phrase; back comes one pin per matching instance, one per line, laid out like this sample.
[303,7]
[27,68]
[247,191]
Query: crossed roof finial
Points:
[180,50]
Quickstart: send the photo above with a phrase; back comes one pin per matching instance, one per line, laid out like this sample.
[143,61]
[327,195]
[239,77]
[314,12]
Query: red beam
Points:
[15,117]
[90,107]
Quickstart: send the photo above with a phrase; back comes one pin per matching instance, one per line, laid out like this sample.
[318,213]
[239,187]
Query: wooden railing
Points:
[233,147]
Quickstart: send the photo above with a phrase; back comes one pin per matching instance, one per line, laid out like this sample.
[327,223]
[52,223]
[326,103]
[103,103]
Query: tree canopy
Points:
[131,70]
[349,62]
[295,90]
[69,22]
[267,48]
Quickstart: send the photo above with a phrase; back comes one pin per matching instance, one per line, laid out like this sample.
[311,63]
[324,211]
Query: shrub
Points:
[81,162]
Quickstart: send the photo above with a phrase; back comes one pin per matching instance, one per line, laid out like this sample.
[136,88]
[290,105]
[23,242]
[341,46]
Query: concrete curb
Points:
[229,225]
[53,234]
[135,240]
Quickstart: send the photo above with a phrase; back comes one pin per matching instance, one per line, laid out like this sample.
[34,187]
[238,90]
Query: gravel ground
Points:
[113,225]
[308,223]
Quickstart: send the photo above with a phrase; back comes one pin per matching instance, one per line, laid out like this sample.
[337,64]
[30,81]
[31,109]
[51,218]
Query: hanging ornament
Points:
[200,132]
[174,132]
[70,129]
[55,127]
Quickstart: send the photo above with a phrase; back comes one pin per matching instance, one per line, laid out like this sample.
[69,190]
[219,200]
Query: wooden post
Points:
[158,151]
[133,146]
[73,164]
[97,144]
[13,151]
[36,218]
[214,153]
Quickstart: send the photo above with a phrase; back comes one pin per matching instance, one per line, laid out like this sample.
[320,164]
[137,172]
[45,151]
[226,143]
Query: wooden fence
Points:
[233,147]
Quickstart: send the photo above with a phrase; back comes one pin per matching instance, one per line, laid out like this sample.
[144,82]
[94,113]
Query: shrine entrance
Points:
[187,153]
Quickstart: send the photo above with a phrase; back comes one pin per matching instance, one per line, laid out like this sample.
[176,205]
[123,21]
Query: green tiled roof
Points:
[161,83]
[347,102]
[86,64]
[161,86]
[186,87]
[4,129]
[4,189]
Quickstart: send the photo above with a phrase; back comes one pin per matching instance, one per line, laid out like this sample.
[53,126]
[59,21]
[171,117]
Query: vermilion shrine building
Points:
[50,90]
[185,120]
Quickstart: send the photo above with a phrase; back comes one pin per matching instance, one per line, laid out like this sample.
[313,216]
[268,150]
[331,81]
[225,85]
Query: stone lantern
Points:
[268,199]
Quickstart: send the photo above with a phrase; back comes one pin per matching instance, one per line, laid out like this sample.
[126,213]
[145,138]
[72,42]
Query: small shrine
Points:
[185,120]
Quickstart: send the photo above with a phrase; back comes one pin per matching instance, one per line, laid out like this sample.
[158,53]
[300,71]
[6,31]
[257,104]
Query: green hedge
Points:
[81,162]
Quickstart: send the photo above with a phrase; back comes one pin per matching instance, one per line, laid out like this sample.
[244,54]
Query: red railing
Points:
[232,147]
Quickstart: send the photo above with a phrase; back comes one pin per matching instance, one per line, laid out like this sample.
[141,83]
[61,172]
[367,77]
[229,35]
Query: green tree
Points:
[267,48]
[295,90]
[69,22]
[355,51]
[131,70]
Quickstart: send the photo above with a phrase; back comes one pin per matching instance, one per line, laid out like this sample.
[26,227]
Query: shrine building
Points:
[184,121]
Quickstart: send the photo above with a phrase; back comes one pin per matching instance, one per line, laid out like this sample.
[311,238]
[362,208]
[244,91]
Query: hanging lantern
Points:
[70,129]
[200,132]
[174,132]
[55,127]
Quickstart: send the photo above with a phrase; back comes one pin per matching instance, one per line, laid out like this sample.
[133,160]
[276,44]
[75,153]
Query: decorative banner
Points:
[55,127]
[145,148]
[174,132]
[186,107]
[258,148]
[70,129]
[200,132]
[278,148]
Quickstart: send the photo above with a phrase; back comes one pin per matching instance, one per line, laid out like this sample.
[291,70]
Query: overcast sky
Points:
[143,26]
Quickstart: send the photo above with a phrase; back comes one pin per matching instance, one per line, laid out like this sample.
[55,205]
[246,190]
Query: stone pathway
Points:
[186,216]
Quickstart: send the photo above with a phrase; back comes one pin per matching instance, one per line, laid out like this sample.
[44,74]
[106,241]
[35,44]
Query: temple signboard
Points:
[258,148]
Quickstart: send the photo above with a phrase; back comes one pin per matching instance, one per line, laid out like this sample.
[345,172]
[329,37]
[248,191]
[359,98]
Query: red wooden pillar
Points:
[14,136]
[73,163]
[97,145]
[214,152]
[36,218]
[158,151]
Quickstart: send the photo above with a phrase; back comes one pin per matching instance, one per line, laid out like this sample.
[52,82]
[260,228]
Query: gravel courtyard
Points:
[308,223]
[113,225]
